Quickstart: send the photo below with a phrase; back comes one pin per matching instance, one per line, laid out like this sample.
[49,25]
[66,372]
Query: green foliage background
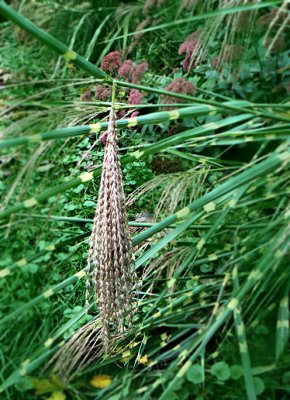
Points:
[231,243]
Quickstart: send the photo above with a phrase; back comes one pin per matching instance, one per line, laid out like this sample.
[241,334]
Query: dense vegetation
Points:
[203,119]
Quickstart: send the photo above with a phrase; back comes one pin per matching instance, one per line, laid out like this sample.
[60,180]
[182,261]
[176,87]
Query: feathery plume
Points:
[110,252]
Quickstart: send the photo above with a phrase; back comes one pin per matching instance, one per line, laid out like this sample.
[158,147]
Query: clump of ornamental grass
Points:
[79,352]
[173,189]
[110,252]
[234,32]
[225,28]
[276,22]
[230,54]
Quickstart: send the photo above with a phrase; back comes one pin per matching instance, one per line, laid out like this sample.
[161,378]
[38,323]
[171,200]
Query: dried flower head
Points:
[178,85]
[84,346]
[111,62]
[110,246]
[143,24]
[104,136]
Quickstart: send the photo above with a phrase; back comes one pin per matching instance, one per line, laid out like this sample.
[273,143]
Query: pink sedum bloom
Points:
[111,62]
[125,69]
[135,97]
[102,93]
[137,72]
[190,46]
[178,85]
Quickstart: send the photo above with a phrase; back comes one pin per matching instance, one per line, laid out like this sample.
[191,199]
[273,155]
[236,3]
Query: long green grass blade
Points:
[50,41]
[130,157]
[154,118]
[282,330]
[243,345]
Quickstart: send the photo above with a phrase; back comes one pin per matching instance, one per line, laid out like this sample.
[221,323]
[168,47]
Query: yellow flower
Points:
[101,381]
[143,360]
[59,395]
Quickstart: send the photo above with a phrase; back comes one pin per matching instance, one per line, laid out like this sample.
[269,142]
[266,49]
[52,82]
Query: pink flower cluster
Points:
[178,85]
[132,72]
[103,93]
[135,97]
[138,71]
[189,47]
[128,70]
[128,114]
[125,69]
[112,62]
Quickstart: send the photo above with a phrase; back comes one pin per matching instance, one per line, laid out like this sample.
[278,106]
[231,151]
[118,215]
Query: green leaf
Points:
[24,384]
[31,268]
[79,188]
[205,268]
[259,385]
[221,371]
[195,374]
[286,377]
[172,396]
[89,203]
[236,371]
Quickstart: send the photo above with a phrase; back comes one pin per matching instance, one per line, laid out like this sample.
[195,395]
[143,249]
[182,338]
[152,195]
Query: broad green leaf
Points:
[195,374]
[221,371]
